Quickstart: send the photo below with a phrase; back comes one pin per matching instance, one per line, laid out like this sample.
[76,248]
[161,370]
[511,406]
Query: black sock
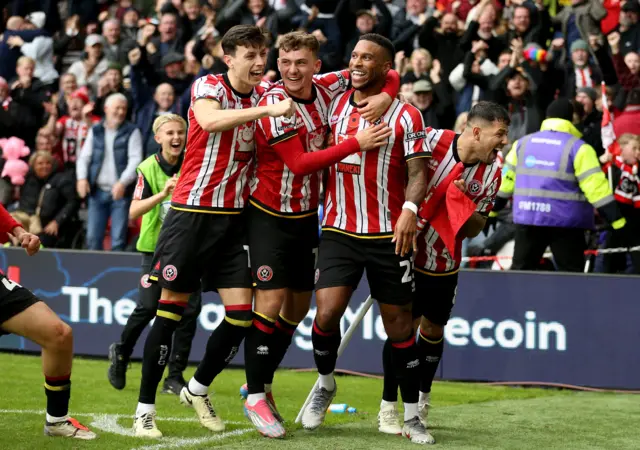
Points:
[407,364]
[430,351]
[280,342]
[257,351]
[390,382]
[157,348]
[58,390]
[137,322]
[325,348]
[224,343]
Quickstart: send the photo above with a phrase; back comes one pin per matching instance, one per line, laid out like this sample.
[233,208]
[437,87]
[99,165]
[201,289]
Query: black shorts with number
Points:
[435,296]
[282,250]
[343,258]
[13,300]
[195,246]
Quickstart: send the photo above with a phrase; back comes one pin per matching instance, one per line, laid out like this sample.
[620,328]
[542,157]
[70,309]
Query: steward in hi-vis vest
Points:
[157,176]
[556,183]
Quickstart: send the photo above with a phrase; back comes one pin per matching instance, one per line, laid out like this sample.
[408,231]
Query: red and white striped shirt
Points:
[216,165]
[73,135]
[366,190]
[483,183]
[274,186]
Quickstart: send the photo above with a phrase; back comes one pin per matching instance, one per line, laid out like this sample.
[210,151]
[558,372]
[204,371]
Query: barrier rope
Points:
[601,251]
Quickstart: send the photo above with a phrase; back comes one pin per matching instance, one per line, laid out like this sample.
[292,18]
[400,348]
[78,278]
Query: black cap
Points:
[171,57]
[561,108]
[631,6]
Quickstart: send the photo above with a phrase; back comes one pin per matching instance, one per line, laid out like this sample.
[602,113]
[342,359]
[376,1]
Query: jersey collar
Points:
[225,78]
[167,168]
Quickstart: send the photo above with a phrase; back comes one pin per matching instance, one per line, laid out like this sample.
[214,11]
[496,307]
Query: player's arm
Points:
[144,200]
[213,119]
[9,226]
[290,149]
[405,232]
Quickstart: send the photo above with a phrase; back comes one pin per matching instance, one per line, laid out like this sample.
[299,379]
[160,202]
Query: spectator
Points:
[48,200]
[577,21]
[481,27]
[13,115]
[16,26]
[106,171]
[419,66]
[40,49]
[408,23]
[68,45]
[628,120]
[29,93]
[163,101]
[116,46]
[111,83]
[129,26]
[579,73]
[67,86]
[629,27]
[369,22]
[433,101]
[167,42]
[89,69]
[471,78]
[592,122]
[444,45]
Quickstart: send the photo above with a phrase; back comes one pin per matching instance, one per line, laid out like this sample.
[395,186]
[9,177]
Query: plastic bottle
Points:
[341,408]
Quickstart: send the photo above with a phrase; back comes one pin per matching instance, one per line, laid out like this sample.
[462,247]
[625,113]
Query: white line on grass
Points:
[117,416]
[186,442]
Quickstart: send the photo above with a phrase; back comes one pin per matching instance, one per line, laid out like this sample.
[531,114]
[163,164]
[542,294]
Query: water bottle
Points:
[341,408]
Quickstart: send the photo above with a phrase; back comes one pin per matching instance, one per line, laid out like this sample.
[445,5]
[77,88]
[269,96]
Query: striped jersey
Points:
[482,181]
[216,165]
[365,191]
[274,186]
[73,134]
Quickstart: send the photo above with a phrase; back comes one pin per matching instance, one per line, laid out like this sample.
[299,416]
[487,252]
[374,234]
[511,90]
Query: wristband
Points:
[410,206]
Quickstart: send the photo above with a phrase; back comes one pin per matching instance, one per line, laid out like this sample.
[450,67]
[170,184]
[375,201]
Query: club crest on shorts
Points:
[144,281]
[475,187]
[264,273]
[317,276]
[169,272]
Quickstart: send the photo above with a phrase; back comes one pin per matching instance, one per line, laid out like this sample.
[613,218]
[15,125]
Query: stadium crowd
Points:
[61,60]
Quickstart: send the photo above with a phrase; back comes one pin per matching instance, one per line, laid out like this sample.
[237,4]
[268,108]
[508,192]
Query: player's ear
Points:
[387,66]
[476,133]
[157,139]
[317,65]
[227,60]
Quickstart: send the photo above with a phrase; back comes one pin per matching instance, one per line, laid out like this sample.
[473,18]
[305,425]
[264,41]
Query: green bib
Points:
[152,221]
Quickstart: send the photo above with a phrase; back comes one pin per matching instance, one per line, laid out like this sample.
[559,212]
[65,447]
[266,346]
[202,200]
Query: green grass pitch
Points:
[464,416]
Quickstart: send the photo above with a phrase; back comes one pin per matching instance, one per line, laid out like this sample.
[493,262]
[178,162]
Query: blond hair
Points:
[627,138]
[40,154]
[166,118]
[25,59]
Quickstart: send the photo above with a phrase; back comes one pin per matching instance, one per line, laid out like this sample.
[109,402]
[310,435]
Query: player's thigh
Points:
[435,297]
[228,267]
[267,241]
[296,306]
[40,324]
[302,252]
[390,276]
[184,249]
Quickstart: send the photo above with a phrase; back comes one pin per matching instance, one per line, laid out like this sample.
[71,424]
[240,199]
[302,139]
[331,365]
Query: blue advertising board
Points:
[506,326]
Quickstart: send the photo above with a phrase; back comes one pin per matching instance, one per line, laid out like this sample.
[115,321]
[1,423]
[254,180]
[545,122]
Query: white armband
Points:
[410,206]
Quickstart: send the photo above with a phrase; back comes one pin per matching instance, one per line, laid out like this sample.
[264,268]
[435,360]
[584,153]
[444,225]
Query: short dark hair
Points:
[297,40]
[382,42]
[489,112]
[242,36]
[633,97]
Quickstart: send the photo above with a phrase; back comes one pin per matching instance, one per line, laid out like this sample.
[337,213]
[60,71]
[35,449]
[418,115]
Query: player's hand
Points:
[52,228]
[460,184]
[83,188]
[170,185]
[284,108]
[30,242]
[404,235]
[375,106]
[373,137]
[117,191]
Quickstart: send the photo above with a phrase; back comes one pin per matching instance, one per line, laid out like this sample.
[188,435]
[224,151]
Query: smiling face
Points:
[248,64]
[368,65]
[164,96]
[297,68]
[43,166]
[172,137]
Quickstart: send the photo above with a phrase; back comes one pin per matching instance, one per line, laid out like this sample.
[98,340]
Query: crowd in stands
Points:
[61,60]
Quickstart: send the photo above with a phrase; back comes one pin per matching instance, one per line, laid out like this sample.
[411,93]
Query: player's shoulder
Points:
[211,80]
[333,81]
[276,91]
[63,120]
[408,116]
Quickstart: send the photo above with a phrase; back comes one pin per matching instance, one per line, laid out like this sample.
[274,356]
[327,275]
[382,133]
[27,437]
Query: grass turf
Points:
[464,416]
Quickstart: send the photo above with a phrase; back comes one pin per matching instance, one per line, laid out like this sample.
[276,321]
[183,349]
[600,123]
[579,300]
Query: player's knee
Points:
[61,336]
[430,329]
[269,302]
[327,320]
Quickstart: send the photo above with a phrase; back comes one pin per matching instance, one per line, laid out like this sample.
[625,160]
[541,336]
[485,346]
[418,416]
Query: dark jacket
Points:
[60,202]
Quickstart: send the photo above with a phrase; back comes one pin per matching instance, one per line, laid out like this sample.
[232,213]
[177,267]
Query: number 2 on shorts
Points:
[408,271]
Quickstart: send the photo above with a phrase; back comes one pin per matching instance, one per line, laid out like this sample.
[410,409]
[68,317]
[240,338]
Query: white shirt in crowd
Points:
[108,175]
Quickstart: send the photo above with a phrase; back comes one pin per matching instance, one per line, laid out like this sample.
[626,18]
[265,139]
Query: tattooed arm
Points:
[405,232]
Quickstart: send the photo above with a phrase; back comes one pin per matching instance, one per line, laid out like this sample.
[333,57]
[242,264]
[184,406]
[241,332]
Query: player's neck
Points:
[171,159]
[305,93]
[369,91]
[237,84]
[465,150]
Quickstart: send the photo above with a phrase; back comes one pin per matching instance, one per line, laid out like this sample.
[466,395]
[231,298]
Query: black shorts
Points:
[195,246]
[342,260]
[282,251]
[13,300]
[149,293]
[435,296]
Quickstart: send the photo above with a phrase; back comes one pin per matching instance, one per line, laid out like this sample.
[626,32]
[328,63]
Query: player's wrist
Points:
[411,207]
